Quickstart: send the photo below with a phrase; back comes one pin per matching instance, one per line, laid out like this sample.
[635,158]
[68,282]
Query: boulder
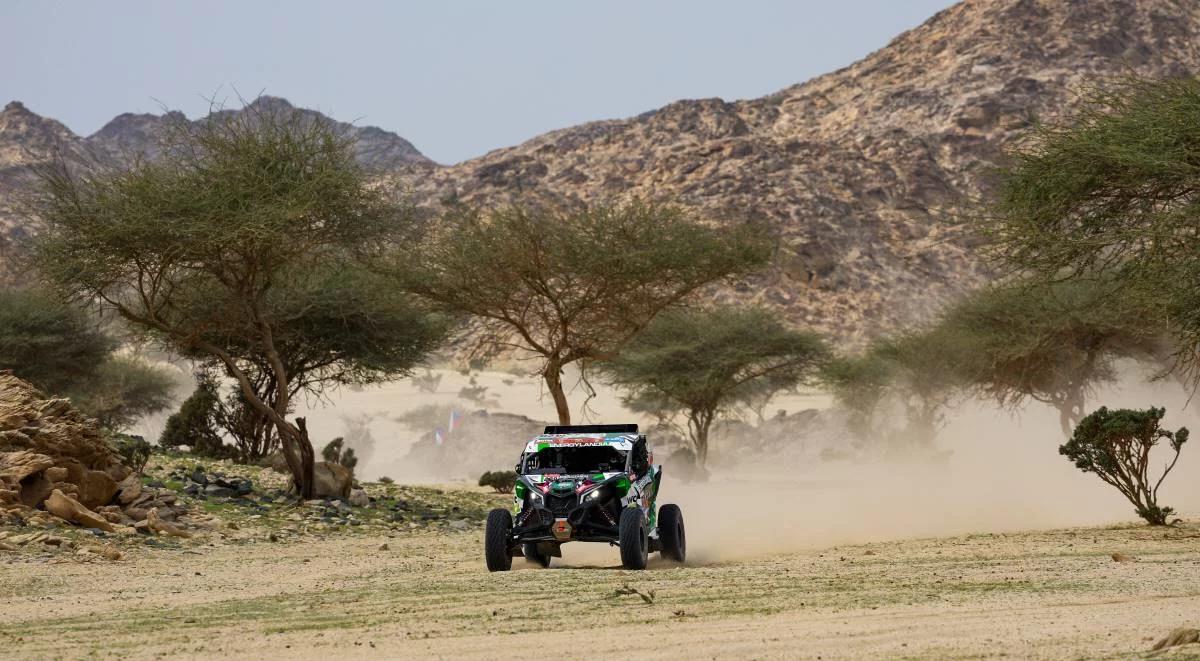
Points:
[128,490]
[359,498]
[96,487]
[331,480]
[23,472]
[156,524]
[29,420]
[69,509]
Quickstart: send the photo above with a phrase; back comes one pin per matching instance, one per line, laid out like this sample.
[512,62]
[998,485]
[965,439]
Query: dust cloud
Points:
[1001,472]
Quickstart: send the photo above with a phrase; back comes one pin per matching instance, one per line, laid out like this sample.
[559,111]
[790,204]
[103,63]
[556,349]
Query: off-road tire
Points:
[495,540]
[632,538]
[530,549]
[671,533]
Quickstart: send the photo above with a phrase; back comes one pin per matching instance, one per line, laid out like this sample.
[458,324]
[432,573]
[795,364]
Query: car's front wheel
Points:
[495,540]
[670,531]
[633,538]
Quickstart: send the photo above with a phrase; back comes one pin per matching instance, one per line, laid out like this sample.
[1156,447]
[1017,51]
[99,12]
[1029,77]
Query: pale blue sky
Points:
[455,78]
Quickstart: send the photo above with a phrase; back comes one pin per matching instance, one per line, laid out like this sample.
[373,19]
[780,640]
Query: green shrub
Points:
[133,450]
[386,480]
[335,452]
[1116,445]
[194,425]
[501,481]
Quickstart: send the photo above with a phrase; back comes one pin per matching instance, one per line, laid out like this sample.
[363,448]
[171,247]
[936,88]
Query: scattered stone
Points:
[383,546]
[106,552]
[1121,557]
[460,524]
[158,525]
[359,498]
[69,509]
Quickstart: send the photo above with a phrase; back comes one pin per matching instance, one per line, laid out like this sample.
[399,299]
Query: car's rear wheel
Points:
[495,540]
[531,554]
[633,538]
[670,531]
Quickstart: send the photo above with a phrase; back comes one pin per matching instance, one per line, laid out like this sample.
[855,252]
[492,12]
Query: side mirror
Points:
[517,468]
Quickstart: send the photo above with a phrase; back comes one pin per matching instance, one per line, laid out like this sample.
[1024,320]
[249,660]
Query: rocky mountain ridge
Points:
[868,174]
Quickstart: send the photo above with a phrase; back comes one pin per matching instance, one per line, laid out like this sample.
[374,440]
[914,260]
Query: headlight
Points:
[535,497]
[593,495]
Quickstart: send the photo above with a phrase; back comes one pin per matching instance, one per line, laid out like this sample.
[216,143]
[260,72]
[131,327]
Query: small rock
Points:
[460,524]
[162,527]
[359,498]
[383,546]
[106,552]
[1121,557]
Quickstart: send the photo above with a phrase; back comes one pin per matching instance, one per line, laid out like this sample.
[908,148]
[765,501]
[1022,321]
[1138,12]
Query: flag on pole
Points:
[437,437]
[453,419]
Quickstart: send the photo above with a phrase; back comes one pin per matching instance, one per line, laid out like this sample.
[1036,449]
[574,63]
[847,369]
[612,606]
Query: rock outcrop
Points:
[54,458]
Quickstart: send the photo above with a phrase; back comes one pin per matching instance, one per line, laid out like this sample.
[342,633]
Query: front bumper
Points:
[565,518]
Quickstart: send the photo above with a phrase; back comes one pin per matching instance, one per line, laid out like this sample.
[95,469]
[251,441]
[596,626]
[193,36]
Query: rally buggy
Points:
[585,483]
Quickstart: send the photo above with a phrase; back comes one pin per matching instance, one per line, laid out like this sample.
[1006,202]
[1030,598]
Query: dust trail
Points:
[1003,473]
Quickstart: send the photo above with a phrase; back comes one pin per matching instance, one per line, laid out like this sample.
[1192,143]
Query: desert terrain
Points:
[997,550]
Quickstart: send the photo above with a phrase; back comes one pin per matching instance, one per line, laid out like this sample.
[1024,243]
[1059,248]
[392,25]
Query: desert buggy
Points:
[585,483]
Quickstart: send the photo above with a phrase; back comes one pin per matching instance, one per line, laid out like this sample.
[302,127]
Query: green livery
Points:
[586,483]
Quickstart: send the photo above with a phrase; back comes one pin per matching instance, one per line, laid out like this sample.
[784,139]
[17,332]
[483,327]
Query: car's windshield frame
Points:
[526,469]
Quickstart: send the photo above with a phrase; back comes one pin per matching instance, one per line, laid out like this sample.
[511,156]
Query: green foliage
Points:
[501,481]
[1051,342]
[571,285]
[1116,446]
[707,361]
[1114,189]
[62,350]
[336,452]
[247,245]
[134,450]
[122,390]
[194,425]
[49,344]
[386,480]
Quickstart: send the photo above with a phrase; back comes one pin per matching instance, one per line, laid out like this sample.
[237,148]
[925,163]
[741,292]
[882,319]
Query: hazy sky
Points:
[455,78]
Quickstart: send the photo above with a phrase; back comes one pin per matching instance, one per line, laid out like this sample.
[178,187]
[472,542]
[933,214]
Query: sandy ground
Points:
[1055,594]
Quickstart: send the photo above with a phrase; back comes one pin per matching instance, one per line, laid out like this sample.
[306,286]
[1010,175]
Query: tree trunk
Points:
[699,424]
[553,376]
[306,459]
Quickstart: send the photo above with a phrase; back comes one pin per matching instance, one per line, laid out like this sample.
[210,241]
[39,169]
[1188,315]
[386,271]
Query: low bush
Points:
[1116,445]
[501,481]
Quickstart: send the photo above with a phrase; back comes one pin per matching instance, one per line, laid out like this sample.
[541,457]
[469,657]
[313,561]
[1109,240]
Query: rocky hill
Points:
[868,173]
[27,139]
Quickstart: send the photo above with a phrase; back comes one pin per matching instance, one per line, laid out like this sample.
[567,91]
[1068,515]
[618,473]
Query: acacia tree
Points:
[707,361]
[1114,190]
[1116,446]
[242,245]
[1050,342]
[63,350]
[571,286]
[918,372]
